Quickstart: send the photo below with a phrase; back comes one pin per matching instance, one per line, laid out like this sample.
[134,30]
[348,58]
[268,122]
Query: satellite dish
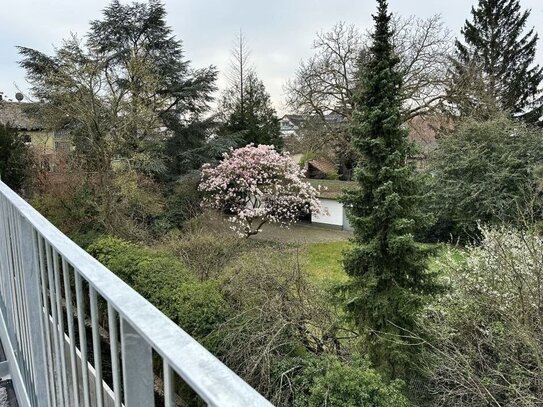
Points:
[19,96]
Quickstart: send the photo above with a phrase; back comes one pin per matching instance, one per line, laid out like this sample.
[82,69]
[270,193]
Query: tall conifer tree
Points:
[494,66]
[389,282]
[246,110]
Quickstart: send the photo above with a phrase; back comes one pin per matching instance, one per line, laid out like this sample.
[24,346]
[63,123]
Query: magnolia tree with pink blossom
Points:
[258,185]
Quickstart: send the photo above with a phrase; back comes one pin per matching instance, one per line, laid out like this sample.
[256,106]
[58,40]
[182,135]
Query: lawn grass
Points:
[323,262]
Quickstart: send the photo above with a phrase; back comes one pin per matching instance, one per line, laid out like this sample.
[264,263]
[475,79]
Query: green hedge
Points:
[198,307]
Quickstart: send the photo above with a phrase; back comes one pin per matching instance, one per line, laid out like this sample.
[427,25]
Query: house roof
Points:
[332,189]
[323,165]
[334,118]
[296,119]
[17,115]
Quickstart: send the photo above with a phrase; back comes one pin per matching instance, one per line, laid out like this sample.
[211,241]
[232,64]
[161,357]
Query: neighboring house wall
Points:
[41,140]
[30,126]
[334,217]
[290,124]
[330,192]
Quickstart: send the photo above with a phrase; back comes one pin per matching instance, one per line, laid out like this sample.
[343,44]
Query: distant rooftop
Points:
[17,115]
[298,119]
[332,189]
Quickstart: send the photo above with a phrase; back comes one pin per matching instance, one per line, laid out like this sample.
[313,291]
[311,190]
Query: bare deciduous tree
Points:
[325,83]
[239,72]
[424,47]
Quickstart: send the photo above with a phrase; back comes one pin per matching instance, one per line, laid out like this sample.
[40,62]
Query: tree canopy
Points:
[124,90]
[494,67]
[246,110]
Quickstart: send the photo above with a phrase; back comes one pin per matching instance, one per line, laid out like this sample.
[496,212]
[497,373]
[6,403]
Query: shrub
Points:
[123,203]
[121,257]
[197,307]
[484,172]
[60,192]
[13,157]
[328,381]
[488,346]
[183,203]
[131,206]
[277,313]
[206,254]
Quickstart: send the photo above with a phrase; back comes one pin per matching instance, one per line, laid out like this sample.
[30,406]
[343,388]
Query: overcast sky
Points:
[279,33]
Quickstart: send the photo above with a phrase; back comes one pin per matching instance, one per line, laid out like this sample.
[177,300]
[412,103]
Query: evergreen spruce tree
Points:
[252,118]
[388,283]
[245,109]
[494,67]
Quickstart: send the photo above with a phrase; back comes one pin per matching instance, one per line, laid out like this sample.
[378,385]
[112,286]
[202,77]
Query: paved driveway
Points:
[302,233]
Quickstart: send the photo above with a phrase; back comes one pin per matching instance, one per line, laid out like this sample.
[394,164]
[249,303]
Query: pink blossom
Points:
[258,185]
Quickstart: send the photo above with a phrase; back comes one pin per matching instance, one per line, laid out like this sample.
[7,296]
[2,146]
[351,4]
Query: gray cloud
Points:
[279,32]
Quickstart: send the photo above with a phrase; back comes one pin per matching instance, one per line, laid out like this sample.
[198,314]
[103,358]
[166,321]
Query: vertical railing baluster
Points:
[15,316]
[3,255]
[113,342]
[168,385]
[96,347]
[29,249]
[137,368]
[57,348]
[82,337]
[18,278]
[60,326]
[71,333]
[46,323]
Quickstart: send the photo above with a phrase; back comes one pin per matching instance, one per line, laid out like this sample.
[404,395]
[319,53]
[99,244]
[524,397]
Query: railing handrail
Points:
[202,371]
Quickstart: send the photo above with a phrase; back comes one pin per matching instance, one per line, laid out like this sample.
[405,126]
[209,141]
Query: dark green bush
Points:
[485,172]
[121,257]
[198,307]
[314,381]
[13,157]
[183,201]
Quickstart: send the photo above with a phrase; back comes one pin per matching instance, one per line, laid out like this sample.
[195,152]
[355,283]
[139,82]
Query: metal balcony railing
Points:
[57,304]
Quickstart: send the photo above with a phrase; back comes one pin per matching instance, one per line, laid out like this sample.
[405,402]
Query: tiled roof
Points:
[323,165]
[18,115]
[424,130]
[332,189]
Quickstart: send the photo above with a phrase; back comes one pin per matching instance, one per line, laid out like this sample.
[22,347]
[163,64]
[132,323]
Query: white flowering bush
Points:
[487,332]
[258,185]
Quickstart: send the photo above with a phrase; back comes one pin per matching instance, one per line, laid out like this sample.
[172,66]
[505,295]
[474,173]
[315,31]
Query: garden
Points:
[195,198]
